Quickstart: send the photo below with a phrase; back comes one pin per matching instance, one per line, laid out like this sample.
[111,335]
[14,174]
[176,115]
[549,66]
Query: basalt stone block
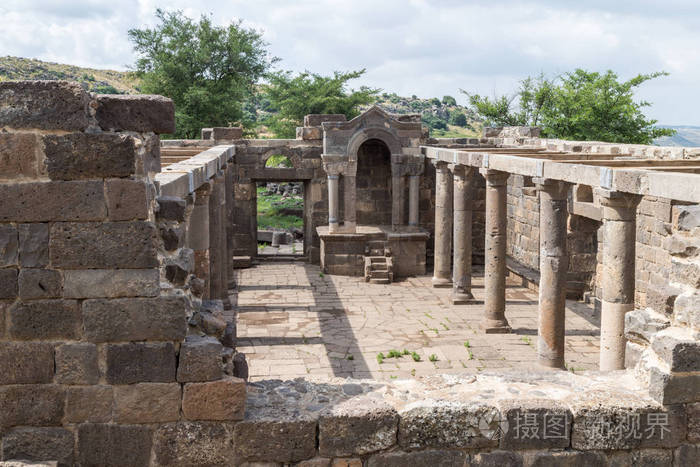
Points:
[140,362]
[127,199]
[686,310]
[33,245]
[142,113]
[151,155]
[40,283]
[317,119]
[39,444]
[693,412]
[89,404]
[215,400]
[19,155]
[173,237]
[175,274]
[688,217]
[9,245]
[642,325]
[26,362]
[227,133]
[46,319]
[46,105]
[86,155]
[147,403]
[8,283]
[171,208]
[134,319]
[200,360]
[275,440]
[642,458]
[110,283]
[670,388]
[77,364]
[496,459]
[194,443]
[687,454]
[679,348]
[114,445]
[567,459]
[103,245]
[431,457]
[31,405]
[53,201]
[535,424]
[357,427]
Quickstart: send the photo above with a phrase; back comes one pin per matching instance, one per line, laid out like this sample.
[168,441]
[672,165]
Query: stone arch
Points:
[291,154]
[365,134]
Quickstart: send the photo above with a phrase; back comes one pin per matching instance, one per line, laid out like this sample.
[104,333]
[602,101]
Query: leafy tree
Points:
[207,70]
[458,119]
[580,105]
[434,122]
[293,97]
[449,100]
[435,101]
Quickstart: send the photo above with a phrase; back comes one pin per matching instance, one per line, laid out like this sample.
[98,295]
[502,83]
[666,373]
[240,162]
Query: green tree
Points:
[580,105]
[207,70]
[449,100]
[293,97]
[458,119]
[434,122]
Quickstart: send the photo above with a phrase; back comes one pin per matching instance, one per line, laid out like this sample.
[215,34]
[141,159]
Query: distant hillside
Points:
[687,136]
[94,80]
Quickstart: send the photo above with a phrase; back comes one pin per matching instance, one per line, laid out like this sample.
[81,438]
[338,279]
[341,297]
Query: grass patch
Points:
[433,357]
[271,208]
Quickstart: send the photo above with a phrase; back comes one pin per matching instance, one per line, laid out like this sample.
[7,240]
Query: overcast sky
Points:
[423,47]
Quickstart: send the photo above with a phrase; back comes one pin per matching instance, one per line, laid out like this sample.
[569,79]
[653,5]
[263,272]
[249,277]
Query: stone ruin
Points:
[117,291]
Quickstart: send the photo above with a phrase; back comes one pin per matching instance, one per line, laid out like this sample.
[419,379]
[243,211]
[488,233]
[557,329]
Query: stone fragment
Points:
[110,283]
[81,200]
[215,400]
[46,319]
[89,404]
[26,362]
[661,298]
[39,283]
[685,272]
[114,445]
[127,199]
[103,245]
[8,283]
[688,217]
[173,237]
[227,133]
[679,348]
[200,360]
[31,405]
[19,156]
[429,457]
[39,444]
[77,364]
[642,324]
[46,105]
[134,319]
[33,245]
[240,366]
[142,113]
[686,310]
[194,443]
[357,427]
[175,274]
[76,156]
[548,424]
[140,362]
[275,440]
[673,388]
[151,155]
[9,245]
[147,403]
[171,208]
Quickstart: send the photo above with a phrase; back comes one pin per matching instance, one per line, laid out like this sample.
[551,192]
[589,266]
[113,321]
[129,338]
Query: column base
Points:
[495,326]
[462,298]
[441,283]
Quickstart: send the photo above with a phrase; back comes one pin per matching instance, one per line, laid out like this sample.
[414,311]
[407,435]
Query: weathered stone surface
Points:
[8,283]
[77,364]
[173,237]
[4,306]
[104,245]
[39,444]
[317,119]
[33,245]
[641,325]
[140,362]
[19,155]
[147,403]
[26,362]
[194,443]
[693,412]
[357,427]
[215,400]
[687,309]
[430,457]
[315,462]
[89,404]
[9,245]
[78,156]
[142,113]
[127,199]
[227,133]
[688,217]
[451,425]
[133,319]
[40,283]
[685,272]
[673,388]
[110,283]
[347,462]
[200,360]
[47,105]
[81,200]
[568,459]
[642,458]
[175,274]
[679,348]
[496,459]
[114,445]
[275,440]
[31,404]
[171,208]
[535,424]
[685,455]
[46,319]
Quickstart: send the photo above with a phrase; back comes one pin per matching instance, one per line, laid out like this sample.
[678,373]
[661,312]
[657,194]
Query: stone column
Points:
[413,200]
[230,245]
[349,193]
[333,203]
[397,200]
[462,235]
[198,235]
[216,240]
[495,255]
[554,264]
[617,276]
[442,275]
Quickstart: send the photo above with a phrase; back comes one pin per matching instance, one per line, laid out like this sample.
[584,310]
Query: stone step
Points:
[378,252]
[377,259]
[379,281]
[379,275]
[380,267]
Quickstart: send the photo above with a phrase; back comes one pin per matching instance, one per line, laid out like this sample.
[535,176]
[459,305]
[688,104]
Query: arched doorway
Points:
[373,181]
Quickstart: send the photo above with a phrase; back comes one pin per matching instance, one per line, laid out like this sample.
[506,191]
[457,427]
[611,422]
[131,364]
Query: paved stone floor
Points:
[294,249]
[295,321]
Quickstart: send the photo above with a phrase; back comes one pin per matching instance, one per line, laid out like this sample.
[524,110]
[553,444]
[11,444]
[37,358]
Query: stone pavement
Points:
[295,321]
[293,249]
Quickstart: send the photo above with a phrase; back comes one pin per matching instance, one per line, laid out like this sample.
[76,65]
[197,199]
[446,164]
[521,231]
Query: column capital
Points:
[494,177]
[441,165]
[463,170]
[617,205]
[557,189]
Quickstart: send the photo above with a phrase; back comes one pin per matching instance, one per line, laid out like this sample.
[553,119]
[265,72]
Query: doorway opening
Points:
[280,218]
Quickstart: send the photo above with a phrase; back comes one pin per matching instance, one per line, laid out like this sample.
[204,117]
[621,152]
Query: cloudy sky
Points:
[423,47]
